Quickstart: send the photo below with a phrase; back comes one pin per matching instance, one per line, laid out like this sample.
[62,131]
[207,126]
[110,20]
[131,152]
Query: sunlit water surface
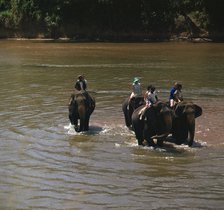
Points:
[45,165]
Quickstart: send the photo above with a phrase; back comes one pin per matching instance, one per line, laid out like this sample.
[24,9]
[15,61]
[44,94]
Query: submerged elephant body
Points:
[156,123]
[129,106]
[184,122]
[81,106]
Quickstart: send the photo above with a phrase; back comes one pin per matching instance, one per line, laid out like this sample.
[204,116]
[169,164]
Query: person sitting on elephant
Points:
[81,83]
[150,96]
[172,91]
[150,99]
[178,97]
[136,88]
[176,94]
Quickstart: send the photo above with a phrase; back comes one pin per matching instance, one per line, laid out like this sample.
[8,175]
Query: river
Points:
[45,166]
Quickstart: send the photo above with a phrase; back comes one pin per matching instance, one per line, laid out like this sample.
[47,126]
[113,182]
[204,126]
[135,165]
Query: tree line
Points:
[112,19]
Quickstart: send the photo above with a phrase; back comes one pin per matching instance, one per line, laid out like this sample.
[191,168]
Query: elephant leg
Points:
[72,116]
[148,133]
[191,129]
[71,119]
[127,118]
[139,137]
[138,129]
[180,131]
[126,113]
[140,140]
[191,139]
[81,124]
[177,131]
[86,124]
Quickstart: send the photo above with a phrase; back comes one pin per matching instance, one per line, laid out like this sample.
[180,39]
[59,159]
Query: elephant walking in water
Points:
[155,124]
[81,106]
[184,122]
[129,106]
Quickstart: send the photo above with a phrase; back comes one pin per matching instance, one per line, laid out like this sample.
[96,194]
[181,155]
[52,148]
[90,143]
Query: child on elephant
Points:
[178,97]
[175,94]
[172,91]
[150,98]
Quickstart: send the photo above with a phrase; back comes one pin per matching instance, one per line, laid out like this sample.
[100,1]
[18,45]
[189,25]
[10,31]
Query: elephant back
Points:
[138,101]
[89,101]
[83,97]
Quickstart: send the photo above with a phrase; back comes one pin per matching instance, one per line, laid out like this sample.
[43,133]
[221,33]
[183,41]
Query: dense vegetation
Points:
[112,19]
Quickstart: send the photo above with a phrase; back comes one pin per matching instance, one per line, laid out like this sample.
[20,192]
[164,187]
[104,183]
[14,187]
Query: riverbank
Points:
[70,40]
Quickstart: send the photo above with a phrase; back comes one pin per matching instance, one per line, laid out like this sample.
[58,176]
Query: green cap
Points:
[136,79]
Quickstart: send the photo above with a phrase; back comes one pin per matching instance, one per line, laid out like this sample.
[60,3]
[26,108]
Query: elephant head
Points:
[155,124]
[129,106]
[81,106]
[184,122]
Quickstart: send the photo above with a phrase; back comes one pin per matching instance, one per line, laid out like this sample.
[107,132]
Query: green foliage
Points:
[95,17]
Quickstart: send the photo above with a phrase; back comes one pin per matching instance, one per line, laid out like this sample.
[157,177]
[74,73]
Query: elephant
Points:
[129,106]
[81,106]
[156,123]
[184,122]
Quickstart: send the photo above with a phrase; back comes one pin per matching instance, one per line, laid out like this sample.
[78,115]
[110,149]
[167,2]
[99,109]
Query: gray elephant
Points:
[184,122]
[129,106]
[156,123]
[81,106]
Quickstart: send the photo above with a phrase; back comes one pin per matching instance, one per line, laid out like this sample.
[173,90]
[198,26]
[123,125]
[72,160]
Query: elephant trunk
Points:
[166,126]
[164,135]
[191,129]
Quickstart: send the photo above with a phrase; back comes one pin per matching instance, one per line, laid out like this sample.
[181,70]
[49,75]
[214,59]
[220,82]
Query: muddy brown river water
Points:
[44,166]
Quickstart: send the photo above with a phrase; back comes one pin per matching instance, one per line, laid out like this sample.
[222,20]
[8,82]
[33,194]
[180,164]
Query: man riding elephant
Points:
[81,83]
[81,106]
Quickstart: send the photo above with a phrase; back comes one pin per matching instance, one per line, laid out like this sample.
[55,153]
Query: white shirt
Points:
[151,98]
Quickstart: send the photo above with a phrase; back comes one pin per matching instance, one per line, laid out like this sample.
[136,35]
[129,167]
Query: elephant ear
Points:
[198,111]
[149,114]
[72,98]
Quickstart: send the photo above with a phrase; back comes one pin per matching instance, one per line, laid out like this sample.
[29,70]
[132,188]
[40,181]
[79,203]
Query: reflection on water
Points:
[44,166]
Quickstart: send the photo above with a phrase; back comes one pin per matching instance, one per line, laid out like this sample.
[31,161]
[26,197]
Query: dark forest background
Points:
[113,20]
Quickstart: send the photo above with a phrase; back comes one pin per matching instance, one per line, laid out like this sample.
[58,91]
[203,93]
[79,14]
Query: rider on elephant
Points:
[136,89]
[80,87]
[175,95]
[150,98]
[81,83]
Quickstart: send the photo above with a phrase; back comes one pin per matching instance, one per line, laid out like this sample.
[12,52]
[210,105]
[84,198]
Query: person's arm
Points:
[177,96]
[145,96]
